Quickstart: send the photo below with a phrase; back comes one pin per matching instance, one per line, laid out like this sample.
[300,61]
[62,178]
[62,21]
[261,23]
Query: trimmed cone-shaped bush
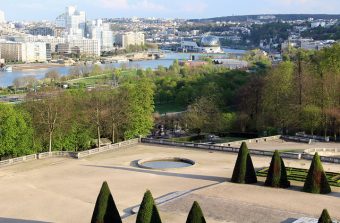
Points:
[105,210]
[316,181]
[156,218]
[325,218]
[196,214]
[148,212]
[244,171]
[277,174]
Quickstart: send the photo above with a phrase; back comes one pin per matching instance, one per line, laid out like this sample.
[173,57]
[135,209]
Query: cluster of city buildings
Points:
[73,35]
[70,35]
[305,44]
[238,32]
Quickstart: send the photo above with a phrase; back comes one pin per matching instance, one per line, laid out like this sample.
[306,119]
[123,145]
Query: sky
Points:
[17,10]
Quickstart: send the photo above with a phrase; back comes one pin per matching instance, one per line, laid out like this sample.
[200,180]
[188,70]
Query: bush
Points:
[316,181]
[148,212]
[325,218]
[244,171]
[105,210]
[195,214]
[277,174]
[156,218]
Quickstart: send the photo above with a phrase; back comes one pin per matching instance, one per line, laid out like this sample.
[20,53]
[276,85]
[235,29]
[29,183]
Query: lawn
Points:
[168,108]
[100,79]
[298,174]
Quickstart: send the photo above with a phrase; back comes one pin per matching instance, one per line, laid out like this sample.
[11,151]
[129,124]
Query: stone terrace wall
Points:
[287,155]
[66,154]
[255,140]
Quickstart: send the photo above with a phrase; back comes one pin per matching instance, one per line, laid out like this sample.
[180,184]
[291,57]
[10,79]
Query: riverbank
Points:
[34,66]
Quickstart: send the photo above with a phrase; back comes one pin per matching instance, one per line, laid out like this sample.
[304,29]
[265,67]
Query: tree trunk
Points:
[98,135]
[50,142]
[113,133]
[300,79]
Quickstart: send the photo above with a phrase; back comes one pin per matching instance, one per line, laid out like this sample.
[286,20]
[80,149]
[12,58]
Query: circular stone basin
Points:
[165,163]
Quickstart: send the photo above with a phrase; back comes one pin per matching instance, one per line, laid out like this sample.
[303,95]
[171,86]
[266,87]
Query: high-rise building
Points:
[102,32]
[2,17]
[73,21]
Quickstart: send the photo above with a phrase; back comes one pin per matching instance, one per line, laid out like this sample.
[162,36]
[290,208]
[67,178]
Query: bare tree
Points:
[117,111]
[47,108]
[97,109]
[26,81]
[53,75]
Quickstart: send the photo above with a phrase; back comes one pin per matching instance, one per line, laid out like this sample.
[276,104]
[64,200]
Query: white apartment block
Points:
[89,47]
[25,52]
[102,32]
[53,41]
[130,38]
[2,17]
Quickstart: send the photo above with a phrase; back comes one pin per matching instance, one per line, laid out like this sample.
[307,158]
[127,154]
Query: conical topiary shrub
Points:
[277,174]
[195,214]
[105,210]
[325,218]
[316,181]
[244,171]
[156,218]
[148,212]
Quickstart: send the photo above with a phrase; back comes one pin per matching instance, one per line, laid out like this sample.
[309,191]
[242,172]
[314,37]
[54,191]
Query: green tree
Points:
[278,96]
[325,218]
[148,212]
[96,70]
[311,117]
[277,174]
[195,214]
[175,67]
[140,108]
[105,210]
[16,132]
[316,181]
[244,171]
[204,116]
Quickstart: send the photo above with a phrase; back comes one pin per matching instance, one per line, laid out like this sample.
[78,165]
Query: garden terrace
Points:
[60,189]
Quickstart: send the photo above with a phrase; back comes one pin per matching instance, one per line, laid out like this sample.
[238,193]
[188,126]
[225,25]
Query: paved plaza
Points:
[65,190]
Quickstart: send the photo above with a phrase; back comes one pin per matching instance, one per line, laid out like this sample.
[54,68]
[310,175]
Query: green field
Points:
[100,79]
[298,174]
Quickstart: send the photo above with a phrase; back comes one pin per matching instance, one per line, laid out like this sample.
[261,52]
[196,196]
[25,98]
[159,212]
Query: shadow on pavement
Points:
[164,173]
[289,220]
[12,220]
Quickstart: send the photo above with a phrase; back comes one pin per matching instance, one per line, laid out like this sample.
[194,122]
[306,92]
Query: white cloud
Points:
[146,5]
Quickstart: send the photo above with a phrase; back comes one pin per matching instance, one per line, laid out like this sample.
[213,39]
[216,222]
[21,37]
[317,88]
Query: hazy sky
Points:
[49,9]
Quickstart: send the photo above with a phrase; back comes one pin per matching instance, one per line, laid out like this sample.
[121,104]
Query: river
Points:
[7,78]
